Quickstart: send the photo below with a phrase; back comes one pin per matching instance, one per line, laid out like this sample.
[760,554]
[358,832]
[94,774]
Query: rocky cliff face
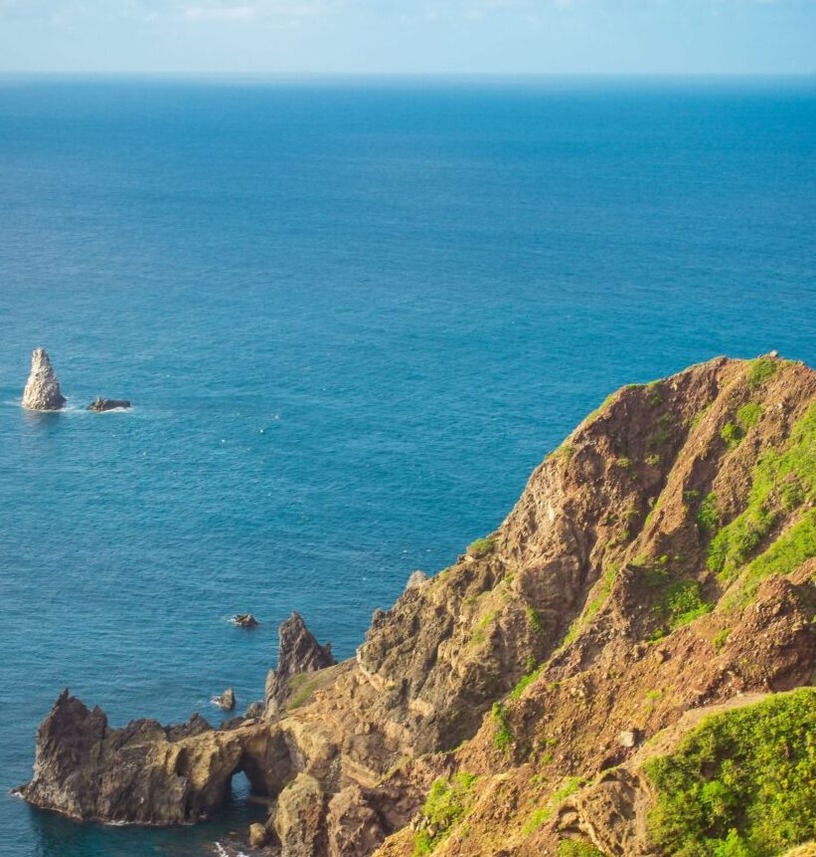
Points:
[659,562]
[42,390]
[299,654]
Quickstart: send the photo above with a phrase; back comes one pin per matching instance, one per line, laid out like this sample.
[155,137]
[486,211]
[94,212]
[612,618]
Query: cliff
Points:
[657,568]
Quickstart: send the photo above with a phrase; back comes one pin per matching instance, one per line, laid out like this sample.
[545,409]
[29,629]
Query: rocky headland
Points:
[622,668]
[42,390]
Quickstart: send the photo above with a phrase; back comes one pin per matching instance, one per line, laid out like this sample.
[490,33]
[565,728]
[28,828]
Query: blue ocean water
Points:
[352,317]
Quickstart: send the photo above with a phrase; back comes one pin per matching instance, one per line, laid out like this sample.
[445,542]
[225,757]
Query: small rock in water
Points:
[258,835]
[245,620]
[42,390]
[100,404]
[226,701]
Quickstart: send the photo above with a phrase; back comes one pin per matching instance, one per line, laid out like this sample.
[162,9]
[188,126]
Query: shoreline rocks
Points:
[42,389]
[143,773]
[226,701]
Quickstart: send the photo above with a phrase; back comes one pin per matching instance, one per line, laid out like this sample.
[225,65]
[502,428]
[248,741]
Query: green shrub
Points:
[683,603]
[708,515]
[742,784]
[524,682]
[732,435]
[481,547]
[536,819]
[574,848]
[760,370]
[720,639]
[733,545]
[786,554]
[782,481]
[534,620]
[655,392]
[544,813]
[563,452]
[604,589]
[748,415]
[503,736]
[567,789]
[447,804]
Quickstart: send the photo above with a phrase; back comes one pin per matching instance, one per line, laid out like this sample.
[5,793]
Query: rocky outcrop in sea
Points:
[42,390]
[100,404]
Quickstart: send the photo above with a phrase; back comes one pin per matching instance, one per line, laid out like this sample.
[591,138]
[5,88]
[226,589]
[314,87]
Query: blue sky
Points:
[422,36]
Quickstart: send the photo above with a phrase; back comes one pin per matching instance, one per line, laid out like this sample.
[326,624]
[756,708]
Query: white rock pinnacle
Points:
[42,391]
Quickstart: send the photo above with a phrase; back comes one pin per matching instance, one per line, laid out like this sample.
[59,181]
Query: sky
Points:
[618,37]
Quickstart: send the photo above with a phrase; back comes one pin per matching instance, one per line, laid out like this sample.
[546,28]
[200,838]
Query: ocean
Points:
[352,316]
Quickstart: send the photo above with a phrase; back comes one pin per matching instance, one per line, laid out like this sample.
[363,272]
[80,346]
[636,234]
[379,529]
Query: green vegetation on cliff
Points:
[783,483]
[481,547]
[447,804]
[743,784]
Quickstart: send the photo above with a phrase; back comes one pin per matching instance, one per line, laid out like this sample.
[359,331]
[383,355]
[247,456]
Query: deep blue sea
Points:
[352,316]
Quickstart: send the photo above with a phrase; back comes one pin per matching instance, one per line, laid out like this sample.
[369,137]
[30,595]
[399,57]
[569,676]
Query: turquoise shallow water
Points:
[352,318]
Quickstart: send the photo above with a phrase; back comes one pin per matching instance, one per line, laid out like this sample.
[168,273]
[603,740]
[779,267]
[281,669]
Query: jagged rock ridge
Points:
[299,653]
[42,390]
[658,562]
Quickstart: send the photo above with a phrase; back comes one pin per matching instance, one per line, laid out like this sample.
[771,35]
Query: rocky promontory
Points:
[144,773]
[620,669]
[42,390]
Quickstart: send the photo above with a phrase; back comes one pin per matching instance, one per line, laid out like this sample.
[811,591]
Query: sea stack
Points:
[42,390]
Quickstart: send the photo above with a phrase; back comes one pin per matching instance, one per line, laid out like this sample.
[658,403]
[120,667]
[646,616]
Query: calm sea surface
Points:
[352,318]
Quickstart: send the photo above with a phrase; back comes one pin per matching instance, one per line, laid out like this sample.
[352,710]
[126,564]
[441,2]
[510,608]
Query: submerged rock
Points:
[245,620]
[100,404]
[299,652]
[42,390]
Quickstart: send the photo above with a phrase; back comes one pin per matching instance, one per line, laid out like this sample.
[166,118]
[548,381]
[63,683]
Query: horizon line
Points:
[409,75]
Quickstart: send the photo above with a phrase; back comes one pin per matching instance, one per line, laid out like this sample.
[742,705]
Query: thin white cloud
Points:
[219,13]
[280,11]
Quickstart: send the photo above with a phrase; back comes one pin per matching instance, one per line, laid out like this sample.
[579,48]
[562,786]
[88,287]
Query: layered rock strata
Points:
[42,390]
